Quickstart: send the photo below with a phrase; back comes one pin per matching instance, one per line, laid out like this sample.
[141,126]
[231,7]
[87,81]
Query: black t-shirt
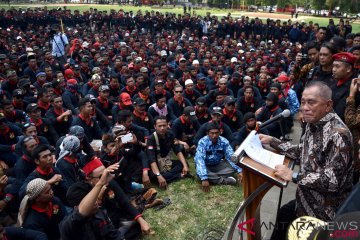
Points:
[166,144]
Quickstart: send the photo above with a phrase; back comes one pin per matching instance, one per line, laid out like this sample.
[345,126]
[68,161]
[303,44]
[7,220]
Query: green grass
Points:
[194,214]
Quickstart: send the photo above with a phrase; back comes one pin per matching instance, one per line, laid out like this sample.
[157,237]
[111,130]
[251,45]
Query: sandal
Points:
[166,202]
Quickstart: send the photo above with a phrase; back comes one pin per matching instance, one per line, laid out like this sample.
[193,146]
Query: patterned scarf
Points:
[161,112]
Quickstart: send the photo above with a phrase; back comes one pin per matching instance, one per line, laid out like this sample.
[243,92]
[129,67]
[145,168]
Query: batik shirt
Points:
[326,166]
[352,120]
[208,153]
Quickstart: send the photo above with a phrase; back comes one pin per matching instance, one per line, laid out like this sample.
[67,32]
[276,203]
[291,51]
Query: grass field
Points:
[323,21]
[193,214]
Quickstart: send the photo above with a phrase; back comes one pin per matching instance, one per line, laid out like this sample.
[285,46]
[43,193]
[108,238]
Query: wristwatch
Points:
[295,176]
[157,174]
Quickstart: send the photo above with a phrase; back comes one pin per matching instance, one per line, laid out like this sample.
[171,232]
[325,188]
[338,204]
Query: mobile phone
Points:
[127,138]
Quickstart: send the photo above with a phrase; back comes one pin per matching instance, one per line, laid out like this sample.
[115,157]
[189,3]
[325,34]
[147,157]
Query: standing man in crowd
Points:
[59,44]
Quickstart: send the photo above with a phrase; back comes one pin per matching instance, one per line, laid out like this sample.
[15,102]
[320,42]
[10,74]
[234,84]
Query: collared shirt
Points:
[58,44]
[292,102]
[326,166]
[209,154]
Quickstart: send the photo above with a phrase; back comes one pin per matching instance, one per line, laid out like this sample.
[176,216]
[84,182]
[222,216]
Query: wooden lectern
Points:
[255,175]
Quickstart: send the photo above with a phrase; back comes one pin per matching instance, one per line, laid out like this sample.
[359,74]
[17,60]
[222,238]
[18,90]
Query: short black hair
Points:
[355,48]
[38,149]
[123,115]
[83,102]
[313,44]
[159,118]
[333,49]
[5,102]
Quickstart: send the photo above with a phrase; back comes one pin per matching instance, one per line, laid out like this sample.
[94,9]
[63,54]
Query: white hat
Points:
[195,62]
[127,35]
[163,53]
[182,59]
[189,81]
[239,44]
[85,44]
[269,41]
[241,51]
[28,49]
[233,60]
[122,44]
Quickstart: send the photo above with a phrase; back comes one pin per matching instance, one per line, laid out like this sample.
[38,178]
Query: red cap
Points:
[125,99]
[283,78]
[72,81]
[344,57]
[92,165]
[96,45]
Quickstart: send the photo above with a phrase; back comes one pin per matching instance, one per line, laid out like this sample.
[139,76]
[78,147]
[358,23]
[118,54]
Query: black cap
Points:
[139,102]
[249,115]
[271,97]
[171,76]
[18,92]
[90,97]
[201,101]
[275,85]
[104,88]
[216,110]
[32,107]
[190,113]
[229,99]
[24,82]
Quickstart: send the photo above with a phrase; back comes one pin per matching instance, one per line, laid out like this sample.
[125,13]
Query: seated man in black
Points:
[43,125]
[202,111]
[134,162]
[232,117]
[59,116]
[87,214]
[216,116]
[158,147]
[116,202]
[250,124]
[159,108]
[9,135]
[178,102]
[248,103]
[40,210]
[140,115]
[45,170]
[270,110]
[85,120]
[185,127]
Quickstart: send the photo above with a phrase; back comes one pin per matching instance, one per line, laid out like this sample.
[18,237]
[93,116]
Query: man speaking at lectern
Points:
[326,166]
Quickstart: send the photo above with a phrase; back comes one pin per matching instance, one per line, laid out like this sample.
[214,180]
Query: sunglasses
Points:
[26,125]
[178,91]
[27,139]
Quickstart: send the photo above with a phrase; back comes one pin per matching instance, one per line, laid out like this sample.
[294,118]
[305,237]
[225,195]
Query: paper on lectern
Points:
[254,149]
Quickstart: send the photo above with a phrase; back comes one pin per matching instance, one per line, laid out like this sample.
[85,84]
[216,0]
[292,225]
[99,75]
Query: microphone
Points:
[286,113]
